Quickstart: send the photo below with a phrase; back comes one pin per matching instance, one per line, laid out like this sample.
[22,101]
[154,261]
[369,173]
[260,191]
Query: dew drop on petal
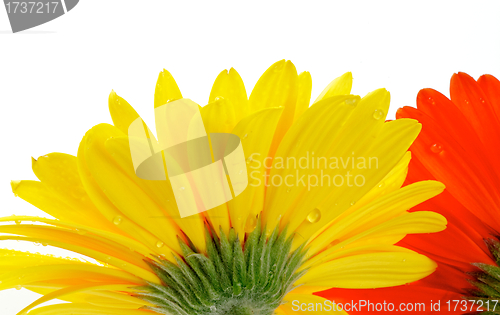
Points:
[382,184]
[182,188]
[18,287]
[18,222]
[117,220]
[289,190]
[278,67]
[314,216]
[245,136]
[377,114]
[249,160]
[351,101]
[251,223]
[159,244]
[436,148]
[81,232]
[219,98]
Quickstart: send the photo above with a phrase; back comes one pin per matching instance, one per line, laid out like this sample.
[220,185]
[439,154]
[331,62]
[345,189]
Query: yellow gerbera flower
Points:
[287,235]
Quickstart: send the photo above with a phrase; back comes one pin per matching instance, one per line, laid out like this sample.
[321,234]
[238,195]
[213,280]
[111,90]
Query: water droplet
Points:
[377,114]
[278,67]
[481,100]
[289,190]
[353,203]
[117,220]
[81,232]
[382,184]
[436,148]
[245,136]
[18,222]
[314,216]
[171,100]
[351,101]
[159,244]
[213,308]
[240,172]
[18,287]
[219,98]
[431,101]
[251,223]
[404,260]
[249,160]
[182,188]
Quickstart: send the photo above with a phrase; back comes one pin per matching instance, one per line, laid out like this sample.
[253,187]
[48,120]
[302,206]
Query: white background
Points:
[55,79]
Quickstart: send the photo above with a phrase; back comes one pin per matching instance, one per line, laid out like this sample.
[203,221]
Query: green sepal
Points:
[233,277]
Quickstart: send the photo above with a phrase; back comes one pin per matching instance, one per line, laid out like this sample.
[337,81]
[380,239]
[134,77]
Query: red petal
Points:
[474,104]
[491,88]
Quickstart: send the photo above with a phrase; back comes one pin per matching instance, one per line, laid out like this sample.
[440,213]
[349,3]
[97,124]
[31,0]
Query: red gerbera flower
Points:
[459,145]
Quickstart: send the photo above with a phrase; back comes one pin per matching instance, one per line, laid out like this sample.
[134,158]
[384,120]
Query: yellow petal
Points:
[219,116]
[166,89]
[388,149]
[112,261]
[374,270]
[391,182]
[256,134]
[160,191]
[340,86]
[229,86]
[13,260]
[121,112]
[70,290]
[39,195]
[121,190]
[388,232]
[304,94]
[82,309]
[352,223]
[276,87]
[127,242]
[321,122]
[59,173]
[77,271]
[109,210]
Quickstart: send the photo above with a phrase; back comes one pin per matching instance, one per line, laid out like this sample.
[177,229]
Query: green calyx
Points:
[487,281]
[230,279]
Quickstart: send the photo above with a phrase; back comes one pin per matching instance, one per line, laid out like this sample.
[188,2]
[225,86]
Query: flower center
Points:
[232,279]
[487,280]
